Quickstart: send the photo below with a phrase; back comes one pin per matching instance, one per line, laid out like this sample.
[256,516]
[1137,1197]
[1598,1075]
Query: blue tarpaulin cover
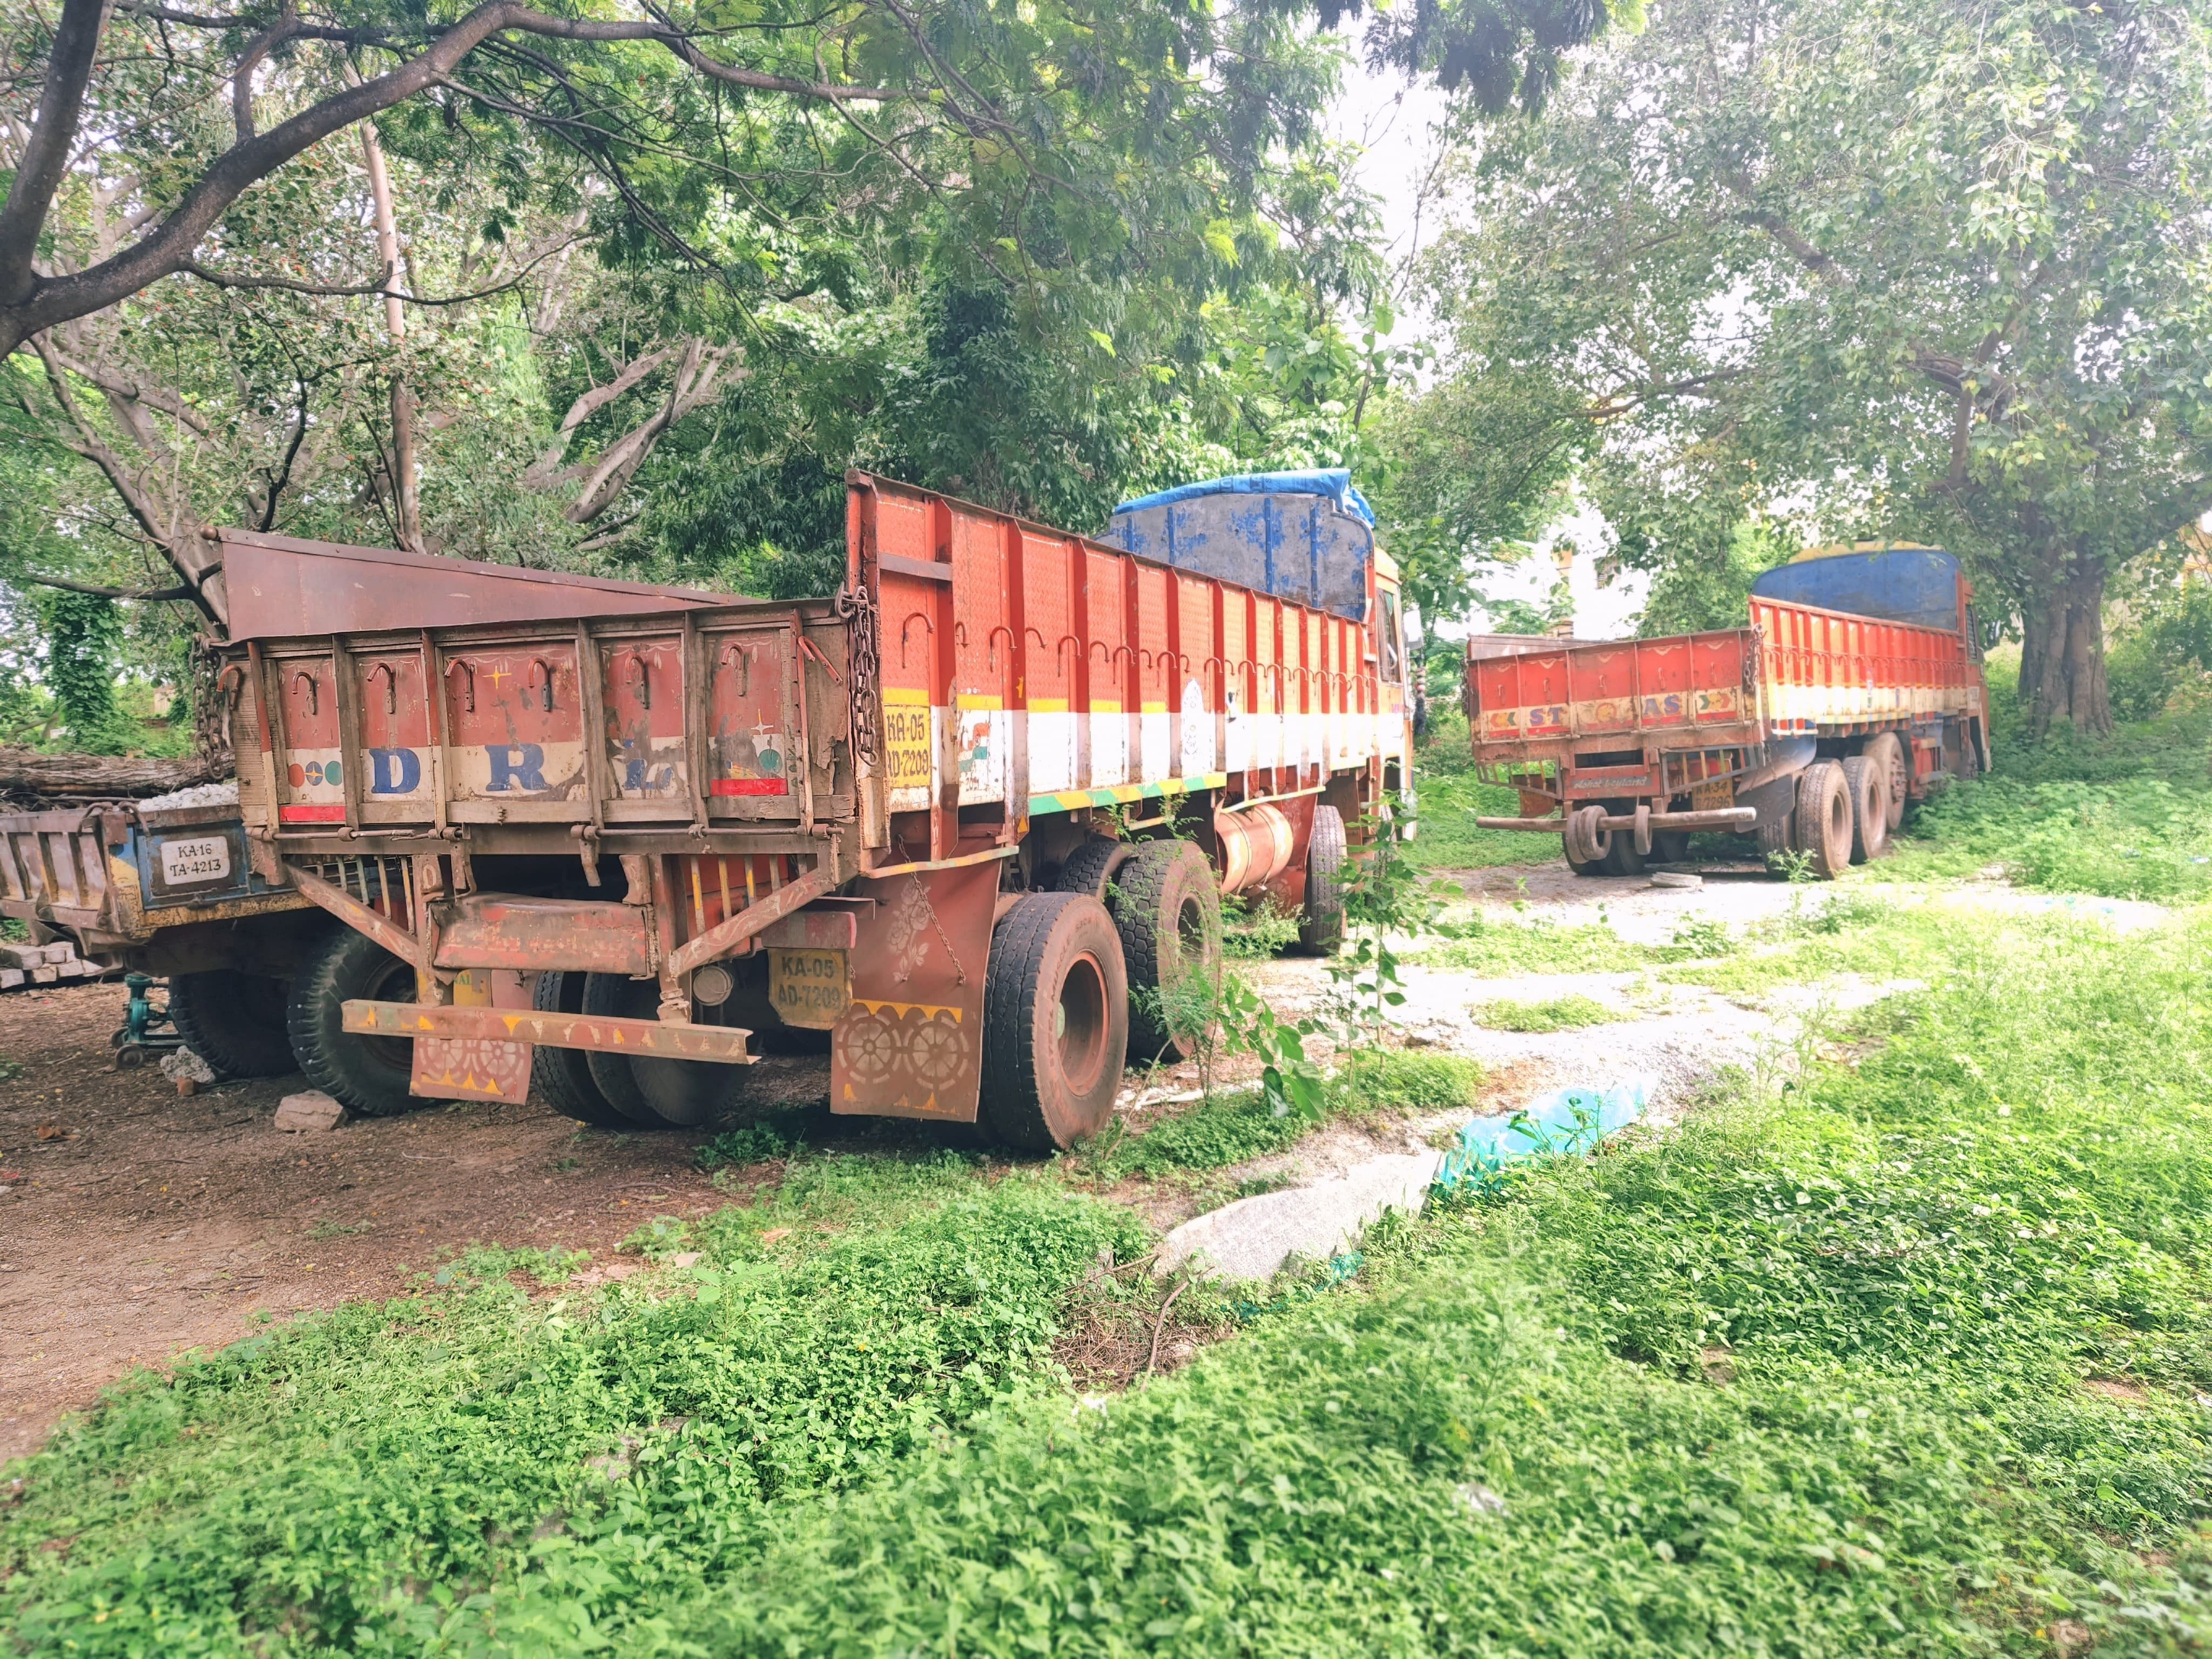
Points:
[1900,583]
[1564,1123]
[1306,536]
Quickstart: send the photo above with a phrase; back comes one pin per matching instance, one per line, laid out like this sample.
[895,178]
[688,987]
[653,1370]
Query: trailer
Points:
[958,822]
[166,886]
[1855,689]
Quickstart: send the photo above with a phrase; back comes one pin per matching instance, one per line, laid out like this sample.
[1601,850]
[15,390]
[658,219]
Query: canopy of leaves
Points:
[1928,270]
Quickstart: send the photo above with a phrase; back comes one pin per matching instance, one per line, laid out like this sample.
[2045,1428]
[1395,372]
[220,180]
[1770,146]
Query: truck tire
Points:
[1824,819]
[1168,912]
[1885,750]
[1320,924]
[1091,867]
[1587,840]
[1867,783]
[1055,1022]
[563,1076]
[367,1073]
[618,996]
[234,1021]
[1622,857]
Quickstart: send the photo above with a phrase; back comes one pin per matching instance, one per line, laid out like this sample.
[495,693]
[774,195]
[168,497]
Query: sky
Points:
[1393,125]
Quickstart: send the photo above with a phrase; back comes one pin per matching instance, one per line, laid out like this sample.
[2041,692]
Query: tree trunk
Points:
[407,507]
[2062,660]
[28,772]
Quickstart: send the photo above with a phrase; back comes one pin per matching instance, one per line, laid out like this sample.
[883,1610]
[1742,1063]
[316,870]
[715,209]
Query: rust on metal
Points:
[910,1043]
[505,930]
[722,1044]
[724,937]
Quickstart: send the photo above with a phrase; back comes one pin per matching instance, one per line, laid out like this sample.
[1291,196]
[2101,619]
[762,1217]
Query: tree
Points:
[1931,271]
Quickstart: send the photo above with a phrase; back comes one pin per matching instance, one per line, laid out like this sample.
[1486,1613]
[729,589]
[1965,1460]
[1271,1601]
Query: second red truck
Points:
[1857,688]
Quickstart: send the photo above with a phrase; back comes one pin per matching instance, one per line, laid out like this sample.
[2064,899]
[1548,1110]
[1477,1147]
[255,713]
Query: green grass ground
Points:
[1914,1355]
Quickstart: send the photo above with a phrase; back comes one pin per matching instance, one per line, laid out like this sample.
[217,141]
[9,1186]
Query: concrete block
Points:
[309,1110]
[1254,1237]
[11,977]
[46,973]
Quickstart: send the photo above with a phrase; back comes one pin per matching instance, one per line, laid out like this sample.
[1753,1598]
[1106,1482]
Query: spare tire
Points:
[234,1021]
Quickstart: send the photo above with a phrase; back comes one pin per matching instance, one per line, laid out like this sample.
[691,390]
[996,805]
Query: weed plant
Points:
[1906,1362]
[351,1480]
[1452,798]
[1556,1014]
[2141,839]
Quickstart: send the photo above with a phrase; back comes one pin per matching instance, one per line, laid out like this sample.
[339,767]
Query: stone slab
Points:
[1254,1237]
[309,1110]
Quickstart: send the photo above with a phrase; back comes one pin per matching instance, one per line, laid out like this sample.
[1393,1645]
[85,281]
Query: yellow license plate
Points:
[1706,796]
[809,987]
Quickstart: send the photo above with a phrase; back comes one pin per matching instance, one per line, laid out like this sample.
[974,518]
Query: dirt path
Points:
[134,1223]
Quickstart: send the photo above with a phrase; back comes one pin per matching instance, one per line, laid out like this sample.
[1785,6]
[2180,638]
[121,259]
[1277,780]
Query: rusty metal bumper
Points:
[644,1039]
[1712,817]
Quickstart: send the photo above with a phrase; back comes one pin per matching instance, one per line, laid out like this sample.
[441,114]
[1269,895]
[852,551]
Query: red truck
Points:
[1857,688]
[956,820]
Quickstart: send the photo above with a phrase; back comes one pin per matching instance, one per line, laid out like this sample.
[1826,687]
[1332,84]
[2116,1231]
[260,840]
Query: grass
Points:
[346,1481]
[2141,839]
[1905,1361]
[1452,798]
[1554,1014]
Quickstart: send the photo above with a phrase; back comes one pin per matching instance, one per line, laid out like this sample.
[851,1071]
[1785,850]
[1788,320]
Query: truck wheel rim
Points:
[1078,1024]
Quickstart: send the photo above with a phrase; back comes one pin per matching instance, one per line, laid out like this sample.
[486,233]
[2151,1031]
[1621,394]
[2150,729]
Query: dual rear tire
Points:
[1055,1022]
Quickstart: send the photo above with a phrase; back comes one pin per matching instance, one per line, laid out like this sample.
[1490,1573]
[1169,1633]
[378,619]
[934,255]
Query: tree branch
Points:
[181,591]
[44,156]
[30,303]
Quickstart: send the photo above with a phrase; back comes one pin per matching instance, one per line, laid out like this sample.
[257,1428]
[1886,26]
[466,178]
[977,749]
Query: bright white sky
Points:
[1393,125]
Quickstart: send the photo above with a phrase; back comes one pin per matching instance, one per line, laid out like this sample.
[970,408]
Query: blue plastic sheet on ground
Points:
[1567,1123]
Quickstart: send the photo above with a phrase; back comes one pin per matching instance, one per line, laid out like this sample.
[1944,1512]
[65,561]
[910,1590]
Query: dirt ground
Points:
[135,1224]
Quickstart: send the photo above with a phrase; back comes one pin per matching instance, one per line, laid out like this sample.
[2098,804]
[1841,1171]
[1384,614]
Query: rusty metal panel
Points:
[281,586]
[752,718]
[911,1044]
[1054,659]
[397,768]
[644,696]
[722,1044]
[812,929]
[503,931]
[514,732]
[983,656]
[310,778]
[1107,651]
[477,1068]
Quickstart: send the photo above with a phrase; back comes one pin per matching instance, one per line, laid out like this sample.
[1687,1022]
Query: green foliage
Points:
[2142,840]
[353,1476]
[1696,589]
[1552,1014]
[1452,798]
[1233,1127]
[1938,327]
[84,634]
[1812,1377]
[2168,654]
[1495,948]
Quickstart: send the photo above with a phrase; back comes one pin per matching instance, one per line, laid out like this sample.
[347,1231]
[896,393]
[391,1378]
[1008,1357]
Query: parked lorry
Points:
[958,820]
[164,885]
[1855,689]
